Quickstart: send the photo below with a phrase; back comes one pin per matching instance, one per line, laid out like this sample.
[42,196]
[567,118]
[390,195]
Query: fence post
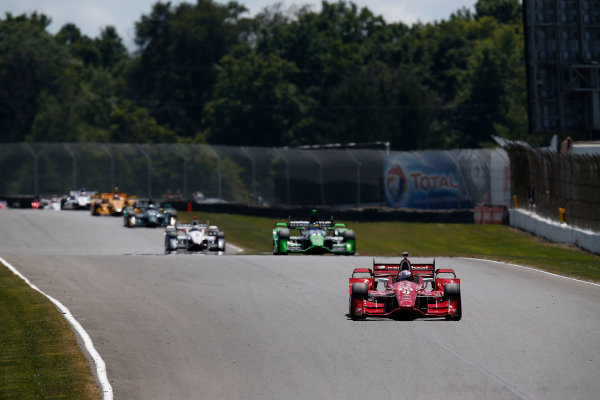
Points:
[148,159]
[358,165]
[320,175]
[220,189]
[287,173]
[112,165]
[185,178]
[74,165]
[254,196]
[35,169]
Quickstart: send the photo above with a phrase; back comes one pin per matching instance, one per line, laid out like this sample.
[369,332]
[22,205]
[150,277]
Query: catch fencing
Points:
[197,172]
[456,179]
[554,185]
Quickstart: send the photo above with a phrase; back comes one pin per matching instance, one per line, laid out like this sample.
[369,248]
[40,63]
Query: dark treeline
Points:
[207,72]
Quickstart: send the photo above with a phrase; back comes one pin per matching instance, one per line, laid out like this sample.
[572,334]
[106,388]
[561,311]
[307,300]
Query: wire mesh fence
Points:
[541,179]
[546,181]
[203,173]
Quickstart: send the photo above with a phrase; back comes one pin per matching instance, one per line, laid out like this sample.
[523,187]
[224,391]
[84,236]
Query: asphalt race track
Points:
[265,327]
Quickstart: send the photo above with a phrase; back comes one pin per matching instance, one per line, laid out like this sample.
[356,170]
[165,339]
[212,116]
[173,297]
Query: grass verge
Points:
[493,242]
[40,357]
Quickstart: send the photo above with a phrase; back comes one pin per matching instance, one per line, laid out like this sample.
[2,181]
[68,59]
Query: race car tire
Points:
[283,234]
[360,290]
[172,234]
[172,221]
[457,314]
[221,235]
[171,244]
[278,247]
[348,235]
[352,310]
[452,290]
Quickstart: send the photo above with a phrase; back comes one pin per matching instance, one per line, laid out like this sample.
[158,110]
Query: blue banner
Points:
[426,180]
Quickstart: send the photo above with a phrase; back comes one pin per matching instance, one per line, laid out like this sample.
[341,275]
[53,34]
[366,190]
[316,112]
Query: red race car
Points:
[409,290]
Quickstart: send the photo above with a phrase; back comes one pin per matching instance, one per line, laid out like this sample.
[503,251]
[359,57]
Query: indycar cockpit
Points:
[405,275]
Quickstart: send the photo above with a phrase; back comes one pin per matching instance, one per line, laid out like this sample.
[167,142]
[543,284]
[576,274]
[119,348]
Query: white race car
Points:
[77,200]
[194,237]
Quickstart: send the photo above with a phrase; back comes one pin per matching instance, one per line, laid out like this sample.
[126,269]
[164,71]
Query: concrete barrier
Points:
[554,231]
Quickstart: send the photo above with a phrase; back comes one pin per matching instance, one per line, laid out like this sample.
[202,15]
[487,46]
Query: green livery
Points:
[313,237]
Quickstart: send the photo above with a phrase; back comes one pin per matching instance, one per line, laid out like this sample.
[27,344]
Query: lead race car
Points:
[409,290]
[194,237]
[314,236]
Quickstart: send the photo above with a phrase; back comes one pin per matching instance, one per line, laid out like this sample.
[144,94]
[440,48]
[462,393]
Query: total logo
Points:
[396,182]
[425,183]
[478,174]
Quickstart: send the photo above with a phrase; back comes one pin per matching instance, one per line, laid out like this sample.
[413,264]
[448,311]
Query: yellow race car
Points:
[110,203]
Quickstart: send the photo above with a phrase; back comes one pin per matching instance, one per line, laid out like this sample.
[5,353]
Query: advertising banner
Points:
[454,179]
[427,180]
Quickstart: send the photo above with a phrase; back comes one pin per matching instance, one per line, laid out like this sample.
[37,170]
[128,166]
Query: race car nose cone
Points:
[317,240]
[406,295]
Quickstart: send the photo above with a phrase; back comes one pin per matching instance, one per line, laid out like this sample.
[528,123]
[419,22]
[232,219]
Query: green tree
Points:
[492,99]
[31,63]
[504,11]
[79,45]
[111,48]
[204,72]
[382,104]
[178,49]
[133,124]
[255,101]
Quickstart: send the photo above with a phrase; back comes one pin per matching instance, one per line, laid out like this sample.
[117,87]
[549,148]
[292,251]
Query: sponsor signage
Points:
[427,180]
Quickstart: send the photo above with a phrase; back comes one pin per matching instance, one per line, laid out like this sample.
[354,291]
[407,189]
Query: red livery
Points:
[409,290]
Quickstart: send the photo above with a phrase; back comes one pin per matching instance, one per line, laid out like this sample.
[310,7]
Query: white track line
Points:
[100,366]
[533,269]
[235,248]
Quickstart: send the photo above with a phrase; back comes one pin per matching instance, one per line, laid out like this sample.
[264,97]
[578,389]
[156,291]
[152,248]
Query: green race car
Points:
[313,237]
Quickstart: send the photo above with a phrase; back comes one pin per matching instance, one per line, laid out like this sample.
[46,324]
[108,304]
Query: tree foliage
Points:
[207,71]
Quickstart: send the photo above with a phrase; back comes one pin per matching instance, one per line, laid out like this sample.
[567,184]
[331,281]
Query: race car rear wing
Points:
[299,224]
[190,226]
[424,270]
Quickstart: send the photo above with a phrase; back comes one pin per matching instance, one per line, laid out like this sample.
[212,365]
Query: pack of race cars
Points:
[389,289]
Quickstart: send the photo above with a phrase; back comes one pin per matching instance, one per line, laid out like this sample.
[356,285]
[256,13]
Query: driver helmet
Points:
[404,275]
[195,221]
[313,225]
